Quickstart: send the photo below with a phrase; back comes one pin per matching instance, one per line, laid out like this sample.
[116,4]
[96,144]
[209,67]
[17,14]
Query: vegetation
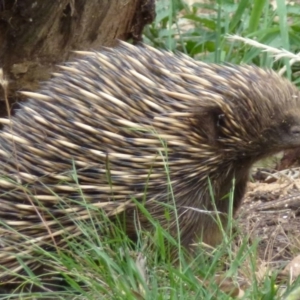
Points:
[112,267]
[201,30]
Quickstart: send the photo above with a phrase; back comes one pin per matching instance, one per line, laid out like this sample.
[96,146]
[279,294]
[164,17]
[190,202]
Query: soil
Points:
[271,214]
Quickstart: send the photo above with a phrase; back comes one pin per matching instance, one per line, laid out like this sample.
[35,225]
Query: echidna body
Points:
[135,122]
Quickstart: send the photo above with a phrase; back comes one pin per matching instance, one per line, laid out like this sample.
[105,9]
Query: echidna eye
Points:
[221,120]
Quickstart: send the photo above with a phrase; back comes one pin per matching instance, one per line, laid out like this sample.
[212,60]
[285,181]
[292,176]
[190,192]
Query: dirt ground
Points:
[271,213]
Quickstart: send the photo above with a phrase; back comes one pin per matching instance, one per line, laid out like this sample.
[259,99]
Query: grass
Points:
[200,30]
[110,266]
[105,264]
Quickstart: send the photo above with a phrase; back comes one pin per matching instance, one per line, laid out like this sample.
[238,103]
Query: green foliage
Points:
[200,30]
[105,264]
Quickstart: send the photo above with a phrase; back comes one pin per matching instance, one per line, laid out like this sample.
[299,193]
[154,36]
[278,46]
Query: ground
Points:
[271,214]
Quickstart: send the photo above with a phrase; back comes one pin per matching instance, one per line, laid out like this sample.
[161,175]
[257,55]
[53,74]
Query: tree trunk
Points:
[37,35]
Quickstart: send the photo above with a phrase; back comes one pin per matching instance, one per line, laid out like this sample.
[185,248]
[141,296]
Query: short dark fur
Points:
[128,112]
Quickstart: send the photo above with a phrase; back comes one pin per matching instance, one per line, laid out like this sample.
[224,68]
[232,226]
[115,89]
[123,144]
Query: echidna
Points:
[135,122]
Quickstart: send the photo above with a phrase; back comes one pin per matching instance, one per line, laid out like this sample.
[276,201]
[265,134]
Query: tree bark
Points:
[37,35]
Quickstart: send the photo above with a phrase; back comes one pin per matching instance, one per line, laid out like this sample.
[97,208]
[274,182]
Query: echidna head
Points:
[285,134]
[259,114]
